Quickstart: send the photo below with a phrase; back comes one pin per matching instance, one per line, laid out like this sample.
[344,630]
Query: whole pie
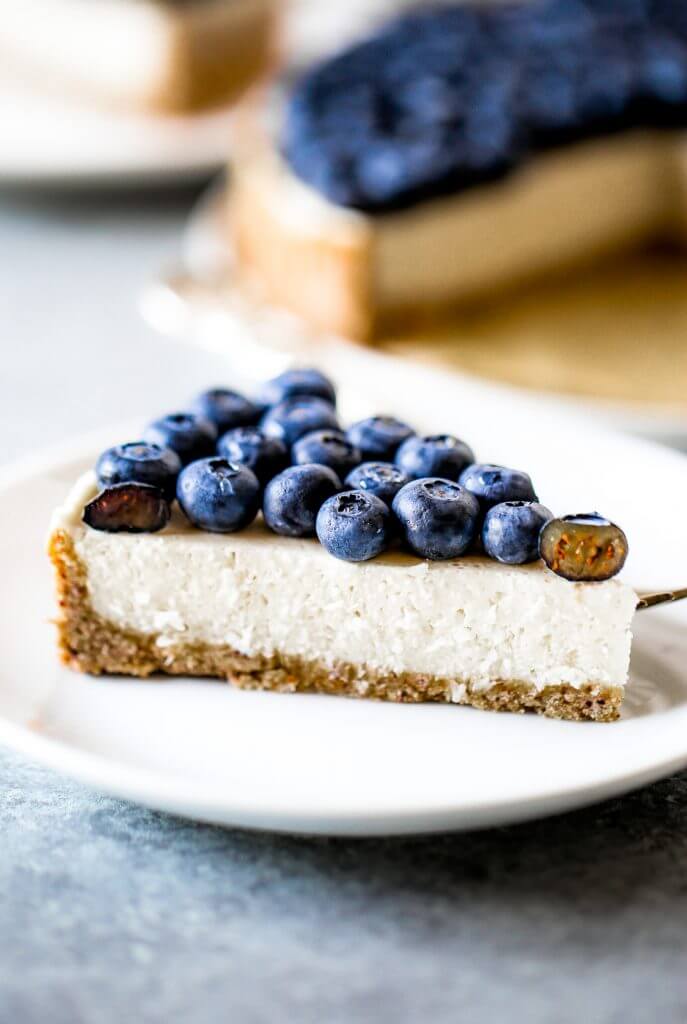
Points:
[463,149]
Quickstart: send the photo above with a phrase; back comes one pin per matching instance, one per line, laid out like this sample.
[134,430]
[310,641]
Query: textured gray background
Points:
[111,913]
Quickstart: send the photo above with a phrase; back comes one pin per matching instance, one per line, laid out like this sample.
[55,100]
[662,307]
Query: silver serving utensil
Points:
[664,597]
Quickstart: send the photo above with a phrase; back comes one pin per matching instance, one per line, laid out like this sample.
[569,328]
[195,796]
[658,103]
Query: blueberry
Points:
[583,548]
[493,83]
[297,416]
[438,518]
[382,479]
[293,499]
[440,455]
[189,435]
[378,437]
[493,485]
[511,531]
[138,462]
[354,526]
[218,495]
[298,384]
[227,409]
[128,508]
[266,456]
[327,448]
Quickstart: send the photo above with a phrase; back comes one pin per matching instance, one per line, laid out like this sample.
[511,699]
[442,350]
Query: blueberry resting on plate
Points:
[434,455]
[327,448]
[298,383]
[378,437]
[227,409]
[493,485]
[128,508]
[583,548]
[354,526]
[297,416]
[438,518]
[266,456]
[383,479]
[511,531]
[189,435]
[218,495]
[293,499]
[141,463]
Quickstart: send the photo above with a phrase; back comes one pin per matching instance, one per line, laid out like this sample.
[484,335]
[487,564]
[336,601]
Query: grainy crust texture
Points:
[88,643]
[324,281]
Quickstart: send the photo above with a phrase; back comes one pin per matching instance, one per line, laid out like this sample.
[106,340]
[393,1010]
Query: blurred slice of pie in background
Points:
[167,56]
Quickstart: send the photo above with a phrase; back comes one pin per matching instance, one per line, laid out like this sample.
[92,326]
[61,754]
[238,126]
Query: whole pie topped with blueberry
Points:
[258,541]
[463,148]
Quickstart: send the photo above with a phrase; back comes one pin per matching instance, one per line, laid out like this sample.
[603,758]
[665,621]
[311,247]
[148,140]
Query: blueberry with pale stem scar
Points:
[583,548]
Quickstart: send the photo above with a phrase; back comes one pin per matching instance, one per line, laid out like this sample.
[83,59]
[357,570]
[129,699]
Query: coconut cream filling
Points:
[470,620]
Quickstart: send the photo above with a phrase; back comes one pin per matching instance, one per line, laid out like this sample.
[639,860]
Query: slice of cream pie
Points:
[389,580]
[271,612]
[462,150]
[163,55]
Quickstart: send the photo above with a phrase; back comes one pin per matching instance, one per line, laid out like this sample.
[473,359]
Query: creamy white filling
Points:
[571,203]
[471,620]
[559,207]
[127,48]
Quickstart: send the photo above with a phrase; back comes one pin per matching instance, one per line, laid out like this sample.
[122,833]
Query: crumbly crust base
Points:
[213,62]
[89,643]
[280,265]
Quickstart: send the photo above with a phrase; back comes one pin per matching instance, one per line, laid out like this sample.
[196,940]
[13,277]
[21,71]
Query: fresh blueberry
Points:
[490,83]
[294,417]
[378,437]
[141,463]
[440,455]
[511,531]
[189,435]
[227,409]
[266,456]
[438,518]
[298,384]
[382,479]
[218,495]
[293,499]
[354,526]
[327,448]
[128,508]
[493,485]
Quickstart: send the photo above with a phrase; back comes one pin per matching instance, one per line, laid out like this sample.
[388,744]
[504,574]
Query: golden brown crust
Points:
[214,62]
[327,281]
[88,643]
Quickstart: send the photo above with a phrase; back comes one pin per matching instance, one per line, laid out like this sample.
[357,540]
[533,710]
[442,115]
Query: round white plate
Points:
[336,766]
[54,140]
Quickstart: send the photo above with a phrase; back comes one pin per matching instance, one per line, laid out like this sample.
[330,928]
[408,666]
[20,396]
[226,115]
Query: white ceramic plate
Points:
[337,766]
[53,140]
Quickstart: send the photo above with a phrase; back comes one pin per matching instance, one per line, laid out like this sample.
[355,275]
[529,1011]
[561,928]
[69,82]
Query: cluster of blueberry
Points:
[230,456]
[444,99]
